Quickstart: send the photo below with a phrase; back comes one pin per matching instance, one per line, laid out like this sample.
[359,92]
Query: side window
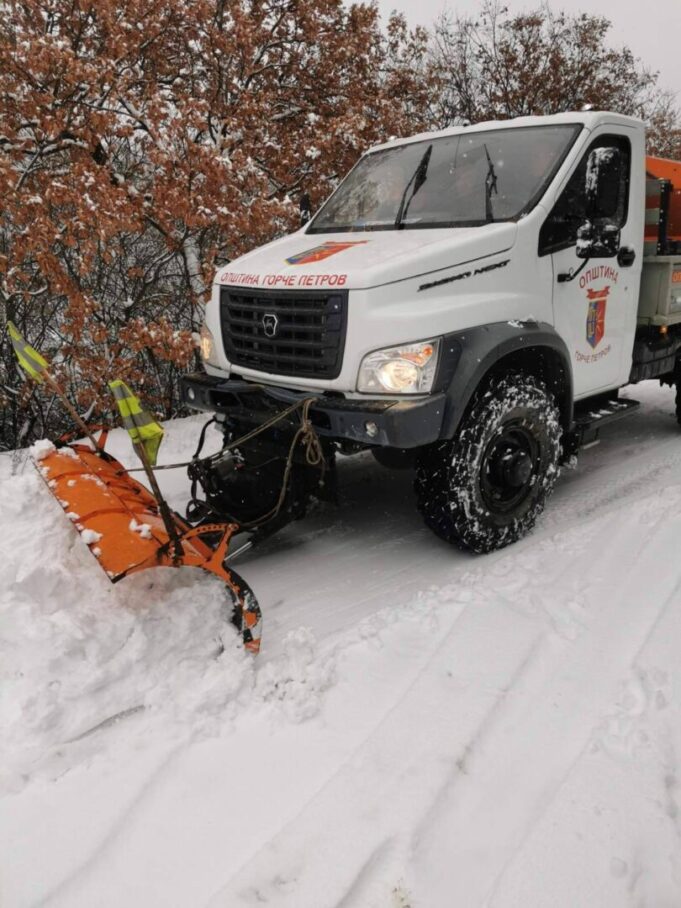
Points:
[559,230]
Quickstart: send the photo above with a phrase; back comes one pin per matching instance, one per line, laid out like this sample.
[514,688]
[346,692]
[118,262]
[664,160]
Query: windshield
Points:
[455,181]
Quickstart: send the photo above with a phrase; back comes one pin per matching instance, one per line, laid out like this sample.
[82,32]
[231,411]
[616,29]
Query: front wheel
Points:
[485,488]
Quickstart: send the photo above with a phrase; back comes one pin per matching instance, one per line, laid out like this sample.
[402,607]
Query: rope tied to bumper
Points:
[314,456]
[305,403]
[305,436]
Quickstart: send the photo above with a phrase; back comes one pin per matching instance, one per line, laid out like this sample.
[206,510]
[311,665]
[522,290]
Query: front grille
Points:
[309,330]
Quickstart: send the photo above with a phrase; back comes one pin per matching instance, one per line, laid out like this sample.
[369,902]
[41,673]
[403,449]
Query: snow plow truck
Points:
[466,303]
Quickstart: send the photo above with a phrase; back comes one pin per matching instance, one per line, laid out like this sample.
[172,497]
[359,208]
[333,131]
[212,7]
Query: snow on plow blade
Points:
[119,520]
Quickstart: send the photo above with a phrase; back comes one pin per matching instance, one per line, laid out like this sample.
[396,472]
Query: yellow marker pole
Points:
[142,427]
[163,508]
[36,367]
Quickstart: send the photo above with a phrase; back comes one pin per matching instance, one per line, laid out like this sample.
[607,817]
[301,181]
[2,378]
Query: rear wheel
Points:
[485,488]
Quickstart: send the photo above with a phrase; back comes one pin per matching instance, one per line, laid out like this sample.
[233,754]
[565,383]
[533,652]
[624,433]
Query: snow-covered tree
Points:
[142,141]
[496,65]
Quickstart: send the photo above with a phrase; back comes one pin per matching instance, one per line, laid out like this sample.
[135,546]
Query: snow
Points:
[598,158]
[41,449]
[524,323]
[422,729]
[143,529]
[89,537]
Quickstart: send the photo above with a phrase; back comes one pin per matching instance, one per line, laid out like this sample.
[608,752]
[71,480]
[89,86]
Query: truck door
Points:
[595,312]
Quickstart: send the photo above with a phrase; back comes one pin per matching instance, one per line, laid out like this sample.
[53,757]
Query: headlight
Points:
[207,344]
[409,369]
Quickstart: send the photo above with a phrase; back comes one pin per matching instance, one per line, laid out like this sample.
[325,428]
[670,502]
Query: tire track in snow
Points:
[470,693]
[544,694]
[384,554]
[126,845]
[517,773]
[360,806]
[497,885]
[646,479]
[98,854]
[613,827]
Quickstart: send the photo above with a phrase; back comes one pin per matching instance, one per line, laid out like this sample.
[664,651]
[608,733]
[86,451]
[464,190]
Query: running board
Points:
[589,421]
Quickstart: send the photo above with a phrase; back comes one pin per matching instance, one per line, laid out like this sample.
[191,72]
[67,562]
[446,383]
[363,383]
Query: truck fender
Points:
[470,356]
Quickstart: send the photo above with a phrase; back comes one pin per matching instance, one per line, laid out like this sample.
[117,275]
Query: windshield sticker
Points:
[319,253]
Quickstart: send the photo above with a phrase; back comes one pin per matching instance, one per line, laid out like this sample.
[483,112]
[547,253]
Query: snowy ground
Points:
[423,729]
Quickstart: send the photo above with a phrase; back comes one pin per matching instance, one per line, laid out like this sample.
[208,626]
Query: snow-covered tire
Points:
[486,487]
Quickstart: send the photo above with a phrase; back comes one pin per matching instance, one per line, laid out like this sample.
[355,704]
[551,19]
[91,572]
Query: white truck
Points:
[467,302]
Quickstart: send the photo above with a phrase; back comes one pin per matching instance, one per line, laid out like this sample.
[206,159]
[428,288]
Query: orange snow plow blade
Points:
[119,520]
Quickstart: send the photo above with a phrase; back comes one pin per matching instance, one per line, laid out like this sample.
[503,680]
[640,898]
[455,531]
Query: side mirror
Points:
[305,209]
[603,182]
[597,241]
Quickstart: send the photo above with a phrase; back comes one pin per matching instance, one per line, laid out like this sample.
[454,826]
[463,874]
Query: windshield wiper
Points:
[490,187]
[418,178]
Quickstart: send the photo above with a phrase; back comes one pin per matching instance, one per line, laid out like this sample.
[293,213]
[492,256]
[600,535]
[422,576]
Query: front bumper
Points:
[398,423]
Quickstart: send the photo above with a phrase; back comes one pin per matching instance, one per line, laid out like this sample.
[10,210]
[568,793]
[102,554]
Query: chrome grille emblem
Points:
[270,324]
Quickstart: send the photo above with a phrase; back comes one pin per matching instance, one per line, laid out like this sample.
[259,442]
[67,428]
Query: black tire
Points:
[677,382]
[485,488]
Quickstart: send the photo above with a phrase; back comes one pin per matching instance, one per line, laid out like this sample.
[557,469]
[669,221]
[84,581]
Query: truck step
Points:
[591,417]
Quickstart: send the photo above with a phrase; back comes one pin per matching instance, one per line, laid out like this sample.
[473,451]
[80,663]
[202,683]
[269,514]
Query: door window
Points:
[559,230]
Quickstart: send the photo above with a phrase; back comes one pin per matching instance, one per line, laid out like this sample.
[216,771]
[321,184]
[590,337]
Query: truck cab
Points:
[455,304]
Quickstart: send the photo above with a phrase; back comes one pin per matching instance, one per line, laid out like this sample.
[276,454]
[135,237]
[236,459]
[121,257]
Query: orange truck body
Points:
[664,182]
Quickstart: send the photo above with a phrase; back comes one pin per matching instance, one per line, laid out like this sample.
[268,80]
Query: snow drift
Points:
[422,728]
